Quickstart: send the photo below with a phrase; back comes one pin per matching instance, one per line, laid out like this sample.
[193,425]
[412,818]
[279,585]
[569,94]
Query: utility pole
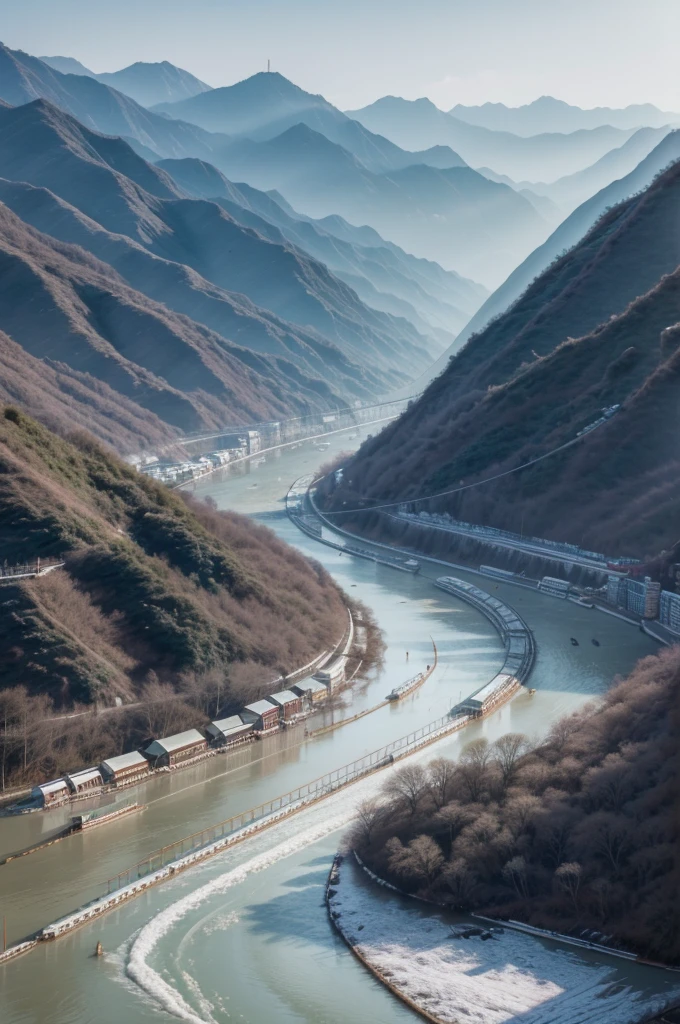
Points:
[269,66]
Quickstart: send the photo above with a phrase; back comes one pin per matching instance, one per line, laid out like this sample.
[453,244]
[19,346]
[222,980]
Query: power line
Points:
[462,487]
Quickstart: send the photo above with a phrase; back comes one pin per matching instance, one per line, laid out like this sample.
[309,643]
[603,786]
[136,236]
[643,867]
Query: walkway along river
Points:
[257,946]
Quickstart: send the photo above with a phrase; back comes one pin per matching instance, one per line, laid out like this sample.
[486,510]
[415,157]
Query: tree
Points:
[407,784]
[568,877]
[515,871]
[473,768]
[421,860]
[369,814]
[440,775]
[506,752]
[460,880]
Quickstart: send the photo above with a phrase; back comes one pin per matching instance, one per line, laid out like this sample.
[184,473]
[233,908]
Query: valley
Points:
[340,583]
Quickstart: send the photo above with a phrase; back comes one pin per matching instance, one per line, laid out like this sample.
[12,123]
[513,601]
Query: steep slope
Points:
[524,387]
[122,194]
[574,189]
[24,78]
[571,231]
[454,216]
[266,105]
[61,304]
[390,273]
[154,586]
[418,124]
[548,114]
[64,400]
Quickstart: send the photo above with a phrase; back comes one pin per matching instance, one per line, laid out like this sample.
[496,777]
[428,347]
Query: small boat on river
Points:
[573,641]
[596,642]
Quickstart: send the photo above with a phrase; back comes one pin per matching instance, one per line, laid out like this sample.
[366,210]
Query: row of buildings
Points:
[171,472]
[255,720]
[646,599]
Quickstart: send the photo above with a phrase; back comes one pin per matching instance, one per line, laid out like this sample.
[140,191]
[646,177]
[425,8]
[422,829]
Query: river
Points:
[246,935]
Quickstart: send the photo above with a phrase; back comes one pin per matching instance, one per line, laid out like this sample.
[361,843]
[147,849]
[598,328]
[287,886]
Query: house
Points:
[51,794]
[289,703]
[263,715]
[88,781]
[310,689]
[229,732]
[176,750]
[125,769]
[332,673]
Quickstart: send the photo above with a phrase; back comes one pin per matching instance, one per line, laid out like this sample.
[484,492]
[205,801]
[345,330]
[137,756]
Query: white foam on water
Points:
[138,966]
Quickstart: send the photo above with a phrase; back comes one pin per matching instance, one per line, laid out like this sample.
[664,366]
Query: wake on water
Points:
[335,812]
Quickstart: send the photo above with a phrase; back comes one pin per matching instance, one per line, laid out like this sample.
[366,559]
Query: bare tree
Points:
[407,784]
[369,815]
[473,769]
[440,775]
[515,871]
[506,752]
[460,880]
[421,860]
[568,877]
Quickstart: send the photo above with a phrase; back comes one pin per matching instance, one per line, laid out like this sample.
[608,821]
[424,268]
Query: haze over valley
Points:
[339,513]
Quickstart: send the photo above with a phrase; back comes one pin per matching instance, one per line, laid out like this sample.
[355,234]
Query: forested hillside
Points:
[580,832]
[158,591]
[579,340]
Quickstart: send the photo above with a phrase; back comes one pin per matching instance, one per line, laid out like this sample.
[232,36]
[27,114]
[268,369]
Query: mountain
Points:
[380,274]
[146,83]
[548,114]
[267,104]
[563,238]
[62,305]
[24,78]
[160,598]
[418,124]
[599,327]
[194,257]
[68,66]
[574,189]
[454,216]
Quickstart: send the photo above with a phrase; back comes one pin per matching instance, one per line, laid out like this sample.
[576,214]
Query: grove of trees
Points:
[579,833]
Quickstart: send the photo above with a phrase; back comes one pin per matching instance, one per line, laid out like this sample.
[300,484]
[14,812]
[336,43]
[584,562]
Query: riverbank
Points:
[418,951]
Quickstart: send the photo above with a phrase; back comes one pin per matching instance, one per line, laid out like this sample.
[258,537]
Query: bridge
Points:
[25,570]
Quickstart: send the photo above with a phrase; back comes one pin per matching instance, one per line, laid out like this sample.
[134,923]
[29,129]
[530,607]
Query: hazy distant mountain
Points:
[146,83]
[24,78]
[418,124]
[547,114]
[599,327]
[267,104]
[572,190]
[454,216]
[68,66]
[337,335]
[568,234]
[385,277]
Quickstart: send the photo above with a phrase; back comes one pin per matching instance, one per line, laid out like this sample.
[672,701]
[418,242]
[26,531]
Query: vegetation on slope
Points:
[580,832]
[160,595]
[502,402]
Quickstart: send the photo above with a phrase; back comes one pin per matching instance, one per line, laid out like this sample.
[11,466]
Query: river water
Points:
[245,935]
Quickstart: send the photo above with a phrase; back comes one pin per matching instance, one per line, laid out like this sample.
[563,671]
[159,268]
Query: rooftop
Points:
[260,707]
[123,761]
[176,742]
[284,697]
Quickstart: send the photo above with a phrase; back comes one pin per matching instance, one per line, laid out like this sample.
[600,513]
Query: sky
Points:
[588,52]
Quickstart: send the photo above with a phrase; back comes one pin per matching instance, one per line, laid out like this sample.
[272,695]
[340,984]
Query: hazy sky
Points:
[590,52]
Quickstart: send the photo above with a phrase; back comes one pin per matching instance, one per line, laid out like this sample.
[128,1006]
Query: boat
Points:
[399,692]
[596,642]
[573,641]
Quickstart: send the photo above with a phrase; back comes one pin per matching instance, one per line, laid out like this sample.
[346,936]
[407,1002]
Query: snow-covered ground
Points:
[495,980]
